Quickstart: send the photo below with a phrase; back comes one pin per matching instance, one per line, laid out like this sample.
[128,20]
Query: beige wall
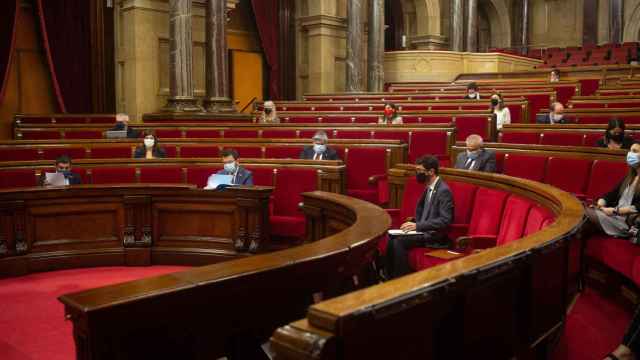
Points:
[556,23]
[142,50]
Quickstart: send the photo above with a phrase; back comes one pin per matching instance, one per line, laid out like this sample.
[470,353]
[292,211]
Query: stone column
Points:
[355,38]
[525,26]
[472,26]
[457,25]
[180,58]
[375,54]
[217,70]
[615,20]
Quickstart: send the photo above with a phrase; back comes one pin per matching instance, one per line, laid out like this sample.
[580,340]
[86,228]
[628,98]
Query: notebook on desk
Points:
[216,181]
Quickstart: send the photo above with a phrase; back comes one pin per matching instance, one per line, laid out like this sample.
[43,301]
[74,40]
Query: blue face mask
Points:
[230,167]
[319,149]
[473,154]
[633,159]
[66,173]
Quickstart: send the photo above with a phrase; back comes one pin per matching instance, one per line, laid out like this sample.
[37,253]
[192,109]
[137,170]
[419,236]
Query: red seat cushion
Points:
[113,175]
[604,176]
[161,174]
[111,152]
[514,219]
[199,151]
[290,183]
[463,197]
[362,163]
[570,175]
[18,178]
[525,166]
[18,154]
[561,139]
[282,152]
[428,143]
[198,175]
[487,212]
[618,254]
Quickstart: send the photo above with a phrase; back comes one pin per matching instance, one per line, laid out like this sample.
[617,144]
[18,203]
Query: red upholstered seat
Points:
[161,174]
[18,154]
[392,135]
[519,137]
[83,134]
[113,175]
[618,254]
[36,120]
[514,219]
[591,139]
[198,175]
[254,152]
[604,176]
[525,166]
[486,216]
[262,176]
[41,135]
[463,197]
[282,152]
[308,134]
[427,143]
[471,125]
[170,150]
[561,139]
[352,134]
[363,163]
[240,134]
[111,152]
[286,218]
[175,134]
[570,175]
[73,152]
[279,134]
[202,133]
[537,219]
[199,151]
[18,178]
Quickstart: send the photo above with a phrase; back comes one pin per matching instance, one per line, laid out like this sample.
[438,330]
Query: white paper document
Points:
[217,180]
[397,232]
[55,179]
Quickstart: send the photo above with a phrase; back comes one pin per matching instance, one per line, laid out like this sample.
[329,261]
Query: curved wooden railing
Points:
[202,312]
[504,302]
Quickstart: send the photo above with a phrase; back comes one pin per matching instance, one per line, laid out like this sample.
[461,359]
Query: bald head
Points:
[122,117]
[474,142]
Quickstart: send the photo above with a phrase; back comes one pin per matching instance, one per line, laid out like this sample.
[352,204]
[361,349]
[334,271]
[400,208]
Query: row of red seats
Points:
[590,55]
[607,102]
[489,217]
[553,138]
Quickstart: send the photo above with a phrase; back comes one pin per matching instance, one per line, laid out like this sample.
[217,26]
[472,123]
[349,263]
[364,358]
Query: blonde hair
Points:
[273,117]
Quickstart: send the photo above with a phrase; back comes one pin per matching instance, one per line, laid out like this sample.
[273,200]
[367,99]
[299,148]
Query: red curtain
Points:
[266,15]
[8,16]
[66,32]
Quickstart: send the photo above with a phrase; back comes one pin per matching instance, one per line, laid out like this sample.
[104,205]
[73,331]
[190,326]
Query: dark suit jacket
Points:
[626,143]
[613,196]
[435,217]
[75,179]
[131,133]
[546,119]
[141,152]
[308,154]
[486,161]
[243,177]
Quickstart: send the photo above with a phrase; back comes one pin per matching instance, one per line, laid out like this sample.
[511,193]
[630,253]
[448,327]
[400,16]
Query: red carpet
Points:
[32,325]
[595,327]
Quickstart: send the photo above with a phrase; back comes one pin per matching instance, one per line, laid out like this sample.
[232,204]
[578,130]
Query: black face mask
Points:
[267,111]
[617,137]
[421,178]
[494,102]
[120,125]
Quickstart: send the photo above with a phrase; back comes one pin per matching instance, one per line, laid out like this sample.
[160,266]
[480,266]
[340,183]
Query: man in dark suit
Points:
[319,150]
[434,214]
[122,123]
[63,166]
[476,157]
[240,175]
[555,115]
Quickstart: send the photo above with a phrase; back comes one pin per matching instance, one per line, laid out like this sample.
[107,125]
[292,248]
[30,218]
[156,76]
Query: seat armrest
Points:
[469,243]
[374,179]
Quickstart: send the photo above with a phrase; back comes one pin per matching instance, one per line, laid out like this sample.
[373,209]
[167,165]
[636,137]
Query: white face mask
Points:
[557,117]
[149,142]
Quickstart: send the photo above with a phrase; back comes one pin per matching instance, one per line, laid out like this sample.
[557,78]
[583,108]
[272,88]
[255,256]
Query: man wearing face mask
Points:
[476,157]
[472,92]
[63,166]
[319,150]
[239,175]
[122,124]
[555,116]
[434,214]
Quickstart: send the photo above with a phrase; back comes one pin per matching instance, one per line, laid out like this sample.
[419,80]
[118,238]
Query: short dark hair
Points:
[392,105]
[473,86]
[63,159]
[429,162]
[230,152]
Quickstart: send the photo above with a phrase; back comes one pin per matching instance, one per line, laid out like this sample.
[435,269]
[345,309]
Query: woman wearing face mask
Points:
[503,115]
[150,149]
[390,115]
[269,114]
[614,137]
[472,92]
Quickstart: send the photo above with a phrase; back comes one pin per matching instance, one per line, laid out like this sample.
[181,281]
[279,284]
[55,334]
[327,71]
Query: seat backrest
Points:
[254,152]
[464,195]
[111,152]
[199,151]
[427,143]
[487,212]
[113,175]
[362,163]
[161,174]
[82,134]
[290,183]
[73,152]
[201,133]
[19,154]
[520,137]
[262,176]
[401,135]
[514,219]
[279,134]
[352,134]
[561,139]
[471,125]
[605,175]
[571,175]
[282,152]
[525,166]
[538,216]
[198,175]
[18,178]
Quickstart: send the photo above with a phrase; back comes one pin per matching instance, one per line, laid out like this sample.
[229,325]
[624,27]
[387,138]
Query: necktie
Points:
[469,164]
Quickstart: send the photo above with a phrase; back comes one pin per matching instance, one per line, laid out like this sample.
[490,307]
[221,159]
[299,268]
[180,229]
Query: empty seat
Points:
[428,143]
[362,165]
[111,152]
[286,219]
[73,152]
[198,175]
[618,254]
[199,151]
[486,217]
[279,134]
[401,135]
[561,139]
[514,219]
[538,217]
[254,152]
[262,176]
[177,134]
[18,154]
[525,166]
[518,137]
[202,134]
[161,174]
[83,134]
[113,175]
[605,175]
[18,178]
[352,134]
[283,152]
[570,175]
[240,134]
[40,135]
[463,197]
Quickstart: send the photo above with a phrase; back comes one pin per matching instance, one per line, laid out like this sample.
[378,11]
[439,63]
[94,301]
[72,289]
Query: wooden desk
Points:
[90,225]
